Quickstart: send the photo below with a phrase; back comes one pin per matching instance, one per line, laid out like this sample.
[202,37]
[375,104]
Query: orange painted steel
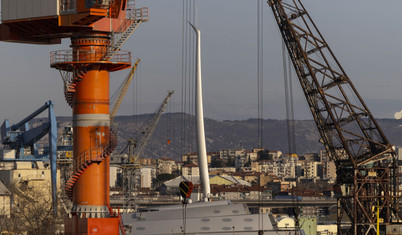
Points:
[91,58]
[92,97]
[87,91]
[101,226]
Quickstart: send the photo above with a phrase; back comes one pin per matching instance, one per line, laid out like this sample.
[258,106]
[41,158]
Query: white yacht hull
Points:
[219,217]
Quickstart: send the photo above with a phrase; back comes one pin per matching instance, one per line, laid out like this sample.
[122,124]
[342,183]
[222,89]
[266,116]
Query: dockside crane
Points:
[367,174]
[121,91]
[20,136]
[134,149]
[98,29]
[148,128]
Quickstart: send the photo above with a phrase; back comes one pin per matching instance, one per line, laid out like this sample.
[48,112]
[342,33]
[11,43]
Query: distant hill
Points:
[179,128]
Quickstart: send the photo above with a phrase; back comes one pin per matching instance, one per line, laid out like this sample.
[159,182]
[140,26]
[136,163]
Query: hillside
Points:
[226,134]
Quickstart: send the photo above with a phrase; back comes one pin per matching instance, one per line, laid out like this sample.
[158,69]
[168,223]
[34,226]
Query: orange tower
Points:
[97,28]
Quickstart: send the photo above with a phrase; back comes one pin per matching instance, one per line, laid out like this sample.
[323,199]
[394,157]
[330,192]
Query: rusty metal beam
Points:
[364,158]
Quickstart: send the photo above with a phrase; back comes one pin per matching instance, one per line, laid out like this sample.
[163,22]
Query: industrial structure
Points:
[97,29]
[135,147]
[21,143]
[367,173]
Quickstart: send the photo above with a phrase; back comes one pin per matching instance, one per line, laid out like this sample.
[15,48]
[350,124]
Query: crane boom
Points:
[149,129]
[122,91]
[363,156]
[135,149]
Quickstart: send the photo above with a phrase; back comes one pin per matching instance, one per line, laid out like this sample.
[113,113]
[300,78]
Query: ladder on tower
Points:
[88,157]
[72,78]
[126,29]
[70,82]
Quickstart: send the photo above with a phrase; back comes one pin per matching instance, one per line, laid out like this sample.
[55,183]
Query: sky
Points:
[365,36]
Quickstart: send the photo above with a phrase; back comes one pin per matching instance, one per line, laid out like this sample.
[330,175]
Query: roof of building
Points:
[227,189]
[246,173]
[191,165]
[195,179]
[165,159]
[235,180]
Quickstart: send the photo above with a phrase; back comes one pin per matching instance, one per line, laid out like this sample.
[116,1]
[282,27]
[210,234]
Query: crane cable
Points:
[191,77]
[260,92]
[168,116]
[260,72]
[287,75]
[188,78]
[187,85]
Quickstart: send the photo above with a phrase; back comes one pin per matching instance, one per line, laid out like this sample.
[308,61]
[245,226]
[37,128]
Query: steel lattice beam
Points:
[352,137]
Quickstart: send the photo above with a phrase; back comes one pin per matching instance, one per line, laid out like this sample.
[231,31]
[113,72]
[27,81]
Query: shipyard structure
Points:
[367,174]
[97,29]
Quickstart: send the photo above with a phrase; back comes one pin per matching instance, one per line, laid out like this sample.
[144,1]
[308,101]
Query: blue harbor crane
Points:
[20,136]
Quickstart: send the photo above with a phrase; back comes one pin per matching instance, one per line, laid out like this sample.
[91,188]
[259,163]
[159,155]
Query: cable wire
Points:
[260,78]
[188,78]
[260,71]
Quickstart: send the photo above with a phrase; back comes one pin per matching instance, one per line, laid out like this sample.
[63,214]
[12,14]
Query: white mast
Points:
[202,150]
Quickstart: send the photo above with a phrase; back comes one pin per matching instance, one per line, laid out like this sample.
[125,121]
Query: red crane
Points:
[97,29]
[367,174]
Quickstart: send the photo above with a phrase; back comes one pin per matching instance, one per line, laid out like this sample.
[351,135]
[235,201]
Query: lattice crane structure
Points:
[366,166]
[135,148]
[97,29]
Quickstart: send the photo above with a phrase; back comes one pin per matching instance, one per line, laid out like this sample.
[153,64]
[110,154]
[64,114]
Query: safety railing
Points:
[140,14]
[70,6]
[97,153]
[85,56]
[102,4]
[89,156]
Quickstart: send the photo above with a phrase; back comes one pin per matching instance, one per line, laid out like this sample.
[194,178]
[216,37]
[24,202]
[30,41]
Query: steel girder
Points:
[364,158]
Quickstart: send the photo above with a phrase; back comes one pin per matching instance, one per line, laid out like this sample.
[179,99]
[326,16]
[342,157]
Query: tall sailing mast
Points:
[201,146]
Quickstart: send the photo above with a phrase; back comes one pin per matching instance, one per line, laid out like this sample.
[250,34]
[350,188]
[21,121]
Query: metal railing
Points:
[140,14]
[102,4]
[89,155]
[68,7]
[85,56]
